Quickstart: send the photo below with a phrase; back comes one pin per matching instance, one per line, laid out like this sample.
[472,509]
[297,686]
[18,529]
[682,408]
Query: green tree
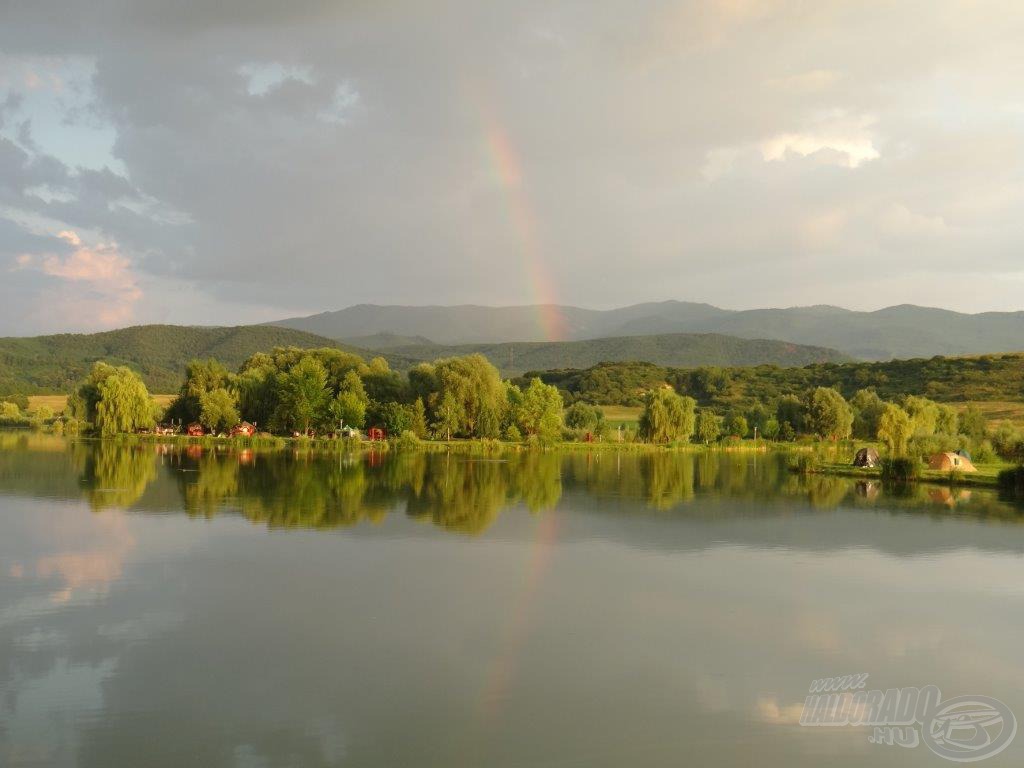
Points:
[736,425]
[946,422]
[790,410]
[667,416]
[350,404]
[123,403]
[449,416]
[895,428]
[829,415]
[972,423]
[396,418]
[708,428]
[540,411]
[201,377]
[418,420]
[923,413]
[218,410]
[302,394]
[867,410]
[582,416]
[476,386]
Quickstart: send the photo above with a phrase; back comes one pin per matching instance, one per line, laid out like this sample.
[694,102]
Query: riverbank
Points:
[987,475]
[482,445]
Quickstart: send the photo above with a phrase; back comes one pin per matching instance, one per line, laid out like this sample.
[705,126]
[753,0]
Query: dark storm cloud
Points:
[303,156]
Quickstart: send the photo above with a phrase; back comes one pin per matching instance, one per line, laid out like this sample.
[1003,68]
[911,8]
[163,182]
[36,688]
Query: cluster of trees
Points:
[910,425]
[986,377]
[291,389]
[670,417]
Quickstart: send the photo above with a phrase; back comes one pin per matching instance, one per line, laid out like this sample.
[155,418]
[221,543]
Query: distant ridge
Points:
[902,331]
[672,349]
[53,364]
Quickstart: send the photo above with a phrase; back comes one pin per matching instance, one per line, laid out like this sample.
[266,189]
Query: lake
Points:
[164,606]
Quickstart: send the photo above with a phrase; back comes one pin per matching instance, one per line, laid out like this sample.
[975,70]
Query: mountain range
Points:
[54,364]
[904,331]
[680,350]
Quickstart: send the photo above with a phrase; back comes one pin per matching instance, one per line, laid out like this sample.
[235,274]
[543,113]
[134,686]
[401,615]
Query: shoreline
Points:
[988,477]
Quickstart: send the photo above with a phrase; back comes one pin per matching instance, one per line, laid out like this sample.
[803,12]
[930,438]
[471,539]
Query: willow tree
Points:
[475,385]
[123,403]
[895,428]
[667,416]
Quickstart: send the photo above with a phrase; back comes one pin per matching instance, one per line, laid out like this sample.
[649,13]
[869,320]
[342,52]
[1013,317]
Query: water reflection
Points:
[168,607]
[456,492]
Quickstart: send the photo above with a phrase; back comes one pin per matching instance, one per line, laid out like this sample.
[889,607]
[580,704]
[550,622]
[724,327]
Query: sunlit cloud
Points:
[838,140]
[111,286]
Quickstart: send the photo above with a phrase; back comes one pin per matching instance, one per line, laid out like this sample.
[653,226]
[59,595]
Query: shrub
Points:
[1011,481]
[512,434]
[804,464]
[983,453]
[900,469]
[407,441]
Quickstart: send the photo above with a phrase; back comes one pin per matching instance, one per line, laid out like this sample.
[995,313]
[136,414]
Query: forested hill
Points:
[669,349]
[904,331]
[948,379]
[54,364]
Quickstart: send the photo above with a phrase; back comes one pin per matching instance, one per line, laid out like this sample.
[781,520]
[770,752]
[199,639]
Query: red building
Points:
[377,433]
[195,429]
[245,429]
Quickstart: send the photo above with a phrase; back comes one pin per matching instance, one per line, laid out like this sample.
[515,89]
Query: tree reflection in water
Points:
[458,492]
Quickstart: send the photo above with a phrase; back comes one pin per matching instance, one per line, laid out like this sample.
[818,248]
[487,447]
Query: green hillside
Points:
[904,331]
[671,349]
[950,379]
[53,364]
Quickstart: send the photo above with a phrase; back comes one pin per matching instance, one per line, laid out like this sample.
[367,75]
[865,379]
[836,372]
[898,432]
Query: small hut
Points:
[245,429]
[195,429]
[950,462]
[377,434]
[866,457]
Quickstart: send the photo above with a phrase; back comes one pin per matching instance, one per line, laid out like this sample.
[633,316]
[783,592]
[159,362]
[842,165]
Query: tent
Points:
[866,457]
[949,462]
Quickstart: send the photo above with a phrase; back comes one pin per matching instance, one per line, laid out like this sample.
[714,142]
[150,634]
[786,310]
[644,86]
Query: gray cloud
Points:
[744,153]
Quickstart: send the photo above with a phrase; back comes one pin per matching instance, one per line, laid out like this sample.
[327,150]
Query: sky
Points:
[246,160]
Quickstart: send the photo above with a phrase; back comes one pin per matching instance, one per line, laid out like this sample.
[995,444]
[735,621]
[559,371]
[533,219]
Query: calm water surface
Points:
[161,607]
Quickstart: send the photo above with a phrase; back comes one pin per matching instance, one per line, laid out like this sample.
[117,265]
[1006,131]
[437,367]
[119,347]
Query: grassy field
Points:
[56,403]
[997,411]
[625,415]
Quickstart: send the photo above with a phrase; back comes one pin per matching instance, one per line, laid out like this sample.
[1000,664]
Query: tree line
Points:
[911,425]
[943,379]
[289,390]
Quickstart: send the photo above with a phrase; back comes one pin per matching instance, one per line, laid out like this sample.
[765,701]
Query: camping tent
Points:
[949,461]
[866,457]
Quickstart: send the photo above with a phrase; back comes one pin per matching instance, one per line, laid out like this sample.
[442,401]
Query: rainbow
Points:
[517,630]
[508,171]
